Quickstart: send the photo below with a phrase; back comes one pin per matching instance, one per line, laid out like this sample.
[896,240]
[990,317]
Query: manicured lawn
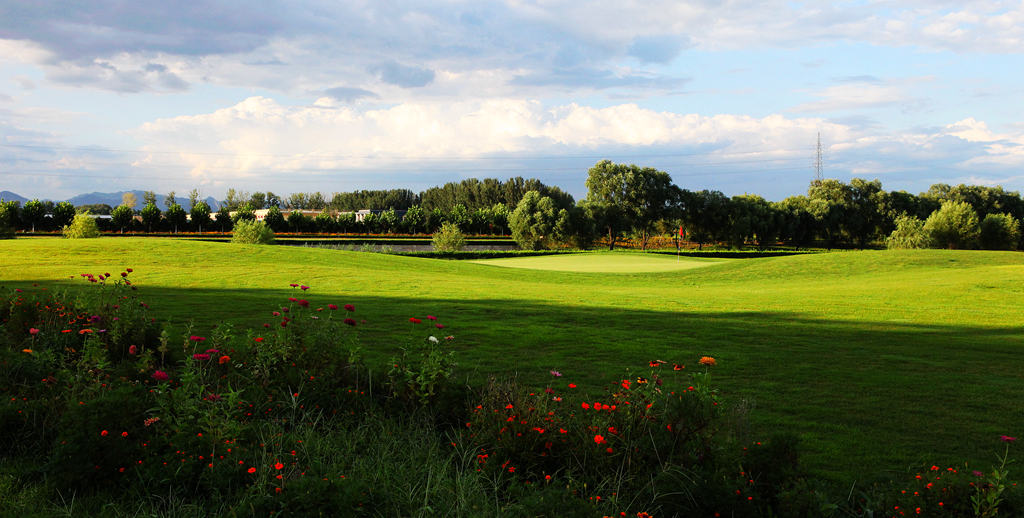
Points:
[879,360]
[602,263]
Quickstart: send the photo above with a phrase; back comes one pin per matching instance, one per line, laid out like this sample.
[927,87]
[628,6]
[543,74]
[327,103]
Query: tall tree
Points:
[175,217]
[151,217]
[199,213]
[630,197]
[62,214]
[129,200]
[533,221]
[32,214]
[148,198]
[169,200]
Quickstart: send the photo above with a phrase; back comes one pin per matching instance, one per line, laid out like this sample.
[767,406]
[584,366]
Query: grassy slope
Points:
[877,359]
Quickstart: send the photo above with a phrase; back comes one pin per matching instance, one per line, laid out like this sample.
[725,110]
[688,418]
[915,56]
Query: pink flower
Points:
[304,303]
[160,376]
[33,331]
[201,356]
[212,351]
[431,317]
[293,285]
[195,338]
[556,373]
[1007,438]
[349,307]
[292,299]
[303,288]
[439,326]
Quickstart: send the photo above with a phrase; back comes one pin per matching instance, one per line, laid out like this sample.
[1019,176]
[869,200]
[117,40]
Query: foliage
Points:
[62,214]
[252,233]
[200,214]
[533,221]
[9,218]
[122,216]
[175,216]
[414,219]
[909,233]
[83,226]
[999,232]
[150,215]
[244,212]
[275,220]
[954,225]
[448,239]
[32,214]
[629,197]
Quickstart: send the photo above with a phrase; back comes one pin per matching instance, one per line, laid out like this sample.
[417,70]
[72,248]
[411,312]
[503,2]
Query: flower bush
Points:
[127,415]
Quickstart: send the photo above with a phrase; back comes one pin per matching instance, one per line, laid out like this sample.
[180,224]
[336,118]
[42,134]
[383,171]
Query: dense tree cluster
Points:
[622,202]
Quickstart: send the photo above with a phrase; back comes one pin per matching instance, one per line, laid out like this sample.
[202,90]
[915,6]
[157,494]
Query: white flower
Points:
[433,339]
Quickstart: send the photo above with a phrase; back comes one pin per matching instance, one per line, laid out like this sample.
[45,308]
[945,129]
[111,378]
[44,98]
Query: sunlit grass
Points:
[877,359]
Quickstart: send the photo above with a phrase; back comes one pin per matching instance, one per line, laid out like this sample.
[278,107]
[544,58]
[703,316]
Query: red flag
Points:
[681,233]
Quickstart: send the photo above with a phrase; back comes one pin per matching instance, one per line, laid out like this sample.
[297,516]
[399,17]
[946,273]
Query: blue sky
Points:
[333,96]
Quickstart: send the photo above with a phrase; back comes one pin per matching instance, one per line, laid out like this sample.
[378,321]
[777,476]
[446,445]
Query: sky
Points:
[332,96]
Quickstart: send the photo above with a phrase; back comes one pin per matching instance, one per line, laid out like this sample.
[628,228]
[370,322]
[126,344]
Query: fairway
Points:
[878,360]
[602,262]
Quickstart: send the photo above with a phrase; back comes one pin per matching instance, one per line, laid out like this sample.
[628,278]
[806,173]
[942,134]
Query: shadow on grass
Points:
[865,396]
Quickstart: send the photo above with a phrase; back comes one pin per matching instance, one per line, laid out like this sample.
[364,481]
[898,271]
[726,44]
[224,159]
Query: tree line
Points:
[632,202]
[623,202]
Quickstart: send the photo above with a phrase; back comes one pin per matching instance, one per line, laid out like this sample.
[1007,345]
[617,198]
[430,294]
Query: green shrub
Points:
[449,238]
[909,233]
[82,227]
[1000,232]
[954,225]
[252,233]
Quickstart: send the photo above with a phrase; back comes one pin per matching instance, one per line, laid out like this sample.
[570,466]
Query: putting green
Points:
[603,263]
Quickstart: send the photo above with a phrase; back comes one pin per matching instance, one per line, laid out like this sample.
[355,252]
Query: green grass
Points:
[879,360]
[603,263]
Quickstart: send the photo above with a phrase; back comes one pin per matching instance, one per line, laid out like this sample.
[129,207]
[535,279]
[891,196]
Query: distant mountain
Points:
[114,199]
[10,196]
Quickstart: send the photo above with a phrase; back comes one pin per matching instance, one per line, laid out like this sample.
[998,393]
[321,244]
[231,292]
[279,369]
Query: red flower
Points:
[104,433]
[349,307]
[599,439]
[304,303]
[251,470]
[258,339]
[572,385]
[303,288]
[278,466]
[332,307]
[129,270]
[124,434]
[294,285]
[439,326]
[33,331]
[160,376]
[415,320]
[224,359]
[1007,438]
[431,317]
[132,350]
[350,322]
[195,338]
[677,367]
[201,356]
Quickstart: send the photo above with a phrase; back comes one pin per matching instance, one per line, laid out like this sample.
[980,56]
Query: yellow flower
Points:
[707,360]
